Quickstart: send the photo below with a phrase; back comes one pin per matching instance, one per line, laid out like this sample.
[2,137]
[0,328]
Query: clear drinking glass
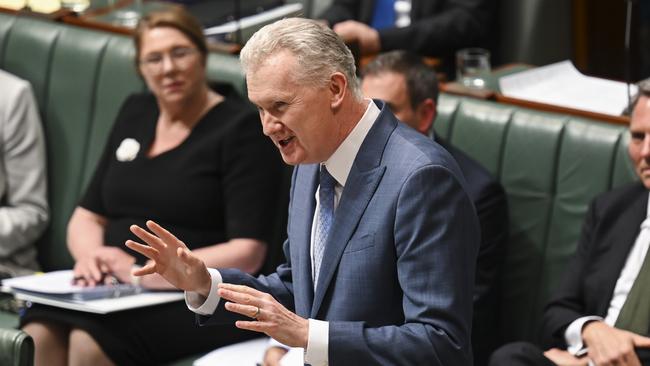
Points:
[126,13]
[472,67]
[75,5]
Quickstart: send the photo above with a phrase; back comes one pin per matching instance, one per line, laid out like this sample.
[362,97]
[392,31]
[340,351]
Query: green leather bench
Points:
[80,78]
[551,165]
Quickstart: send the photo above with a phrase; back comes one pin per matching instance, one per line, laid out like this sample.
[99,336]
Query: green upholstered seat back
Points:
[16,348]
[551,166]
[80,78]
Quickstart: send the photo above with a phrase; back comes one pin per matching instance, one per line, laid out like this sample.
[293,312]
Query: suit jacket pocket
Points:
[361,242]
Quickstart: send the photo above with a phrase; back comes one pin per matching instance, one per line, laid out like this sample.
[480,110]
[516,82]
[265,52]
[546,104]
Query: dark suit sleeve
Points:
[460,23]
[436,240]
[492,210]
[567,303]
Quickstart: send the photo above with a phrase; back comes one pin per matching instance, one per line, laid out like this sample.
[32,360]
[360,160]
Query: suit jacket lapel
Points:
[623,236]
[362,182]
[302,215]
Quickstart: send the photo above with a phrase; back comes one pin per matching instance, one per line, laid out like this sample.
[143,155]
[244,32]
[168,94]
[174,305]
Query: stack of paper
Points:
[561,84]
[56,289]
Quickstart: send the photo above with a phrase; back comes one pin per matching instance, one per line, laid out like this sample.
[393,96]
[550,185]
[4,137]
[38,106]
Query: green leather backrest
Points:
[28,48]
[551,167]
[16,348]
[71,101]
[80,78]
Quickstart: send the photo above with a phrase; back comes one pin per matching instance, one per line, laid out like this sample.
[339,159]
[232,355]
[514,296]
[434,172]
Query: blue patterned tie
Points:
[325,217]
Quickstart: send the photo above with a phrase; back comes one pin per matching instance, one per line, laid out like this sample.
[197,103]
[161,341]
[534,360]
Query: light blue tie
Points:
[325,217]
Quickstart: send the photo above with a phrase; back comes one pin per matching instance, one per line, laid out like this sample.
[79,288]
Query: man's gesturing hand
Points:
[171,259]
[270,317]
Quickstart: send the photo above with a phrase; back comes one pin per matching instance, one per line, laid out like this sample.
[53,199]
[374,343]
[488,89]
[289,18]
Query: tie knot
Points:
[327,182]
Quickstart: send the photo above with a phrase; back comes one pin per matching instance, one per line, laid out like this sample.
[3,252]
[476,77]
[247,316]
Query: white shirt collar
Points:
[340,163]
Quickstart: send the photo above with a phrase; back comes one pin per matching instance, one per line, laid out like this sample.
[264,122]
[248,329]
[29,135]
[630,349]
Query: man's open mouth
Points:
[286,141]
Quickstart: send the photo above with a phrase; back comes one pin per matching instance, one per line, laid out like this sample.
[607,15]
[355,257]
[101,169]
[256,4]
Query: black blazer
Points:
[491,205]
[438,27]
[610,229]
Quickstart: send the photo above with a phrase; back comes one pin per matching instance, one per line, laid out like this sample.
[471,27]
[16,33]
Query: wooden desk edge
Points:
[621,120]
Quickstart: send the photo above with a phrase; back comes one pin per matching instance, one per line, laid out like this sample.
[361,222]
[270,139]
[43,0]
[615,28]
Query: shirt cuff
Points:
[317,343]
[573,335]
[202,305]
[274,343]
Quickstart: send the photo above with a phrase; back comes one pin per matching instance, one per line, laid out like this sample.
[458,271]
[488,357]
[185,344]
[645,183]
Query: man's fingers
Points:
[145,250]
[640,341]
[242,289]
[255,326]
[147,237]
[238,297]
[245,310]
[148,268]
[163,234]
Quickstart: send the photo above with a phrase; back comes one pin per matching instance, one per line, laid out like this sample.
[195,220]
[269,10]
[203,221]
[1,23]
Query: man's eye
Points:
[280,105]
[637,136]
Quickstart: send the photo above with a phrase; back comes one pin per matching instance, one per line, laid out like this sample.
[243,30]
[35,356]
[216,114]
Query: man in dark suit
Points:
[382,237]
[427,27]
[410,89]
[601,312]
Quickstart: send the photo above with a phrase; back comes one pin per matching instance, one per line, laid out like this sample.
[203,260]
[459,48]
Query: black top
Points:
[218,184]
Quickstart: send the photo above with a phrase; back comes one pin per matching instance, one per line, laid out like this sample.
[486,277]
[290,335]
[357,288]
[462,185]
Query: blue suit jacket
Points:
[397,274]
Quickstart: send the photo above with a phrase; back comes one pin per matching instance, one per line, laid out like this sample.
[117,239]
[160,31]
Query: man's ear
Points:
[338,86]
[426,114]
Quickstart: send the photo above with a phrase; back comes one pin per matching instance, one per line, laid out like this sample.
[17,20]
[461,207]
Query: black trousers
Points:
[519,354]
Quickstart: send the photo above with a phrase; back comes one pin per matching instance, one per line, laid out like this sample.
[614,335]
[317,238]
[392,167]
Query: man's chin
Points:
[646,181]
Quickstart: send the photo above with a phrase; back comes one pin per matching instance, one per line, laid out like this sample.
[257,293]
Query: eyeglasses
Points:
[179,55]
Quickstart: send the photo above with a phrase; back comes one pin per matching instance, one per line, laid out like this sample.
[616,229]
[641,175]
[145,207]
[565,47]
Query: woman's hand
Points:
[92,269]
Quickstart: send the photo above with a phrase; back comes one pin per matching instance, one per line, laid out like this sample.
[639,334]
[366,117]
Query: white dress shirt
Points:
[633,263]
[338,165]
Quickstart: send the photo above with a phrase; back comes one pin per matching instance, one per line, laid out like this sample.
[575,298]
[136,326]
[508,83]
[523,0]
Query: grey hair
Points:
[644,90]
[318,50]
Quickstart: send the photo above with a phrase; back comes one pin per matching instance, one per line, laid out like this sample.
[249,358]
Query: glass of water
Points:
[75,5]
[472,67]
[126,13]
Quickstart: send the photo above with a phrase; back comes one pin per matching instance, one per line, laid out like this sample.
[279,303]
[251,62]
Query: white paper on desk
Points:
[46,289]
[105,306]
[56,282]
[248,353]
[563,85]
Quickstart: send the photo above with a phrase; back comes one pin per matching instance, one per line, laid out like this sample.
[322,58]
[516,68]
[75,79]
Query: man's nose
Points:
[270,125]
[645,148]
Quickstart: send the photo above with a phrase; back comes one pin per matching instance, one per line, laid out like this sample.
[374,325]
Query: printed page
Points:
[561,84]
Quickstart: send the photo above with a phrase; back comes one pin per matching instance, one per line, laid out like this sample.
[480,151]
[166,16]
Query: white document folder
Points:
[56,289]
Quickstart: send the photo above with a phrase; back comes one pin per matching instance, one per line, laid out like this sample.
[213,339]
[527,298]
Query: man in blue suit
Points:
[382,238]
[410,88]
